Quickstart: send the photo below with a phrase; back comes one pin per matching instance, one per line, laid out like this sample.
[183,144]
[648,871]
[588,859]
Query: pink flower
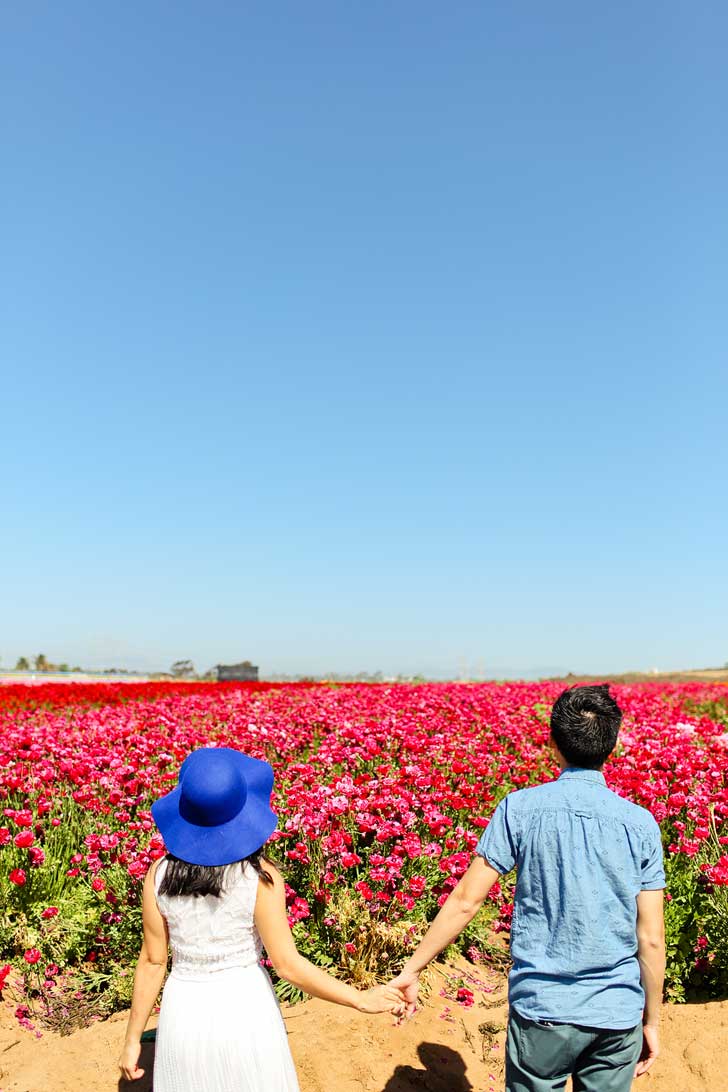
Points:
[32,955]
[49,912]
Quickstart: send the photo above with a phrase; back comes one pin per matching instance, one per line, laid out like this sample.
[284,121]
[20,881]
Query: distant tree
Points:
[182,669]
[76,669]
[63,667]
[41,663]
[22,664]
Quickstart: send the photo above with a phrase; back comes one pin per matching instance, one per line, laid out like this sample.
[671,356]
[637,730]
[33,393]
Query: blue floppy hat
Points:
[220,810]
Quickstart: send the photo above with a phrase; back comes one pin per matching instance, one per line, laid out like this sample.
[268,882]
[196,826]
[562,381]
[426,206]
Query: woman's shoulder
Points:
[156,872]
[260,874]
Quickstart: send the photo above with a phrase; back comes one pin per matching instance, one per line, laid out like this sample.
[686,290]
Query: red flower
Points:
[24,839]
[364,890]
[465,997]
[17,876]
[32,955]
[37,856]
[49,912]
[97,883]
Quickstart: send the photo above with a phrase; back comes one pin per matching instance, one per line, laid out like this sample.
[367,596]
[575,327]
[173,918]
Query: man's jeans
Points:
[540,1057]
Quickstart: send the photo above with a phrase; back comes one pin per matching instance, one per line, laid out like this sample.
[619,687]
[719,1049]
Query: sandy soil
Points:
[445,1048]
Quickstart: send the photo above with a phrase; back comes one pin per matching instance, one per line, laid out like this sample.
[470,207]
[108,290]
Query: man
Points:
[587,935]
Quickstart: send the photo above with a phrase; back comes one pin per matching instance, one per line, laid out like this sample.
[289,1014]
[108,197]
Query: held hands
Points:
[408,982]
[129,1061]
[382,999]
[650,1049]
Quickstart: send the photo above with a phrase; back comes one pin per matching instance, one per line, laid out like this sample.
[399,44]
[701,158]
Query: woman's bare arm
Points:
[271,922]
[148,978]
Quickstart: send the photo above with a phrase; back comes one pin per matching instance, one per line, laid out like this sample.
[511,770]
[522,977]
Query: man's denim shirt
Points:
[582,856]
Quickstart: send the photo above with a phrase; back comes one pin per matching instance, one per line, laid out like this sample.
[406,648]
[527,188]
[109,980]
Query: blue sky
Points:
[358,337]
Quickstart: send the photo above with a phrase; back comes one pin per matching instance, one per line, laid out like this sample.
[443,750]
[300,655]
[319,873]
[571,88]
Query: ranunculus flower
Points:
[364,890]
[17,876]
[97,883]
[465,997]
[49,912]
[32,955]
[24,839]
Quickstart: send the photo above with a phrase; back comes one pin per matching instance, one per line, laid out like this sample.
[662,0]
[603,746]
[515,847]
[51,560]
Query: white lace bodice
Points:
[210,934]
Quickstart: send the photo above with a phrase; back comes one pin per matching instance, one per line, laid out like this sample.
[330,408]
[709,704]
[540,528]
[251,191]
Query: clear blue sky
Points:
[357,337]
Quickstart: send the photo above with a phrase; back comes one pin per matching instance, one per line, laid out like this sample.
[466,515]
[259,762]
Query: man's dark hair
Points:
[585,723]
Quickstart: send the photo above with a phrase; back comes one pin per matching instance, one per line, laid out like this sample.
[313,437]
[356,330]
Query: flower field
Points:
[382,792]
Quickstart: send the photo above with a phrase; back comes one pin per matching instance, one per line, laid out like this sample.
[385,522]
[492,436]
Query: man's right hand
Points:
[408,983]
[650,1049]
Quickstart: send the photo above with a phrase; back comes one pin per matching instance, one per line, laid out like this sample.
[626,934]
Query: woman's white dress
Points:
[220,1027]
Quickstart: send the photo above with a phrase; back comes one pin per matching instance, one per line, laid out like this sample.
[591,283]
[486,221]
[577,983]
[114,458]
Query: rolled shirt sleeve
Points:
[653,868]
[497,843]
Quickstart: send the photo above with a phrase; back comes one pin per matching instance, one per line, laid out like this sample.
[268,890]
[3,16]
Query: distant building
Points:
[244,672]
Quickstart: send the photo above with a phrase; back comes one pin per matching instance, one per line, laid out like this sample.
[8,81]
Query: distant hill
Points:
[702,674]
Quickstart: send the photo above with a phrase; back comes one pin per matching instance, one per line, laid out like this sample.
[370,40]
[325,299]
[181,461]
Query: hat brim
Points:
[232,841]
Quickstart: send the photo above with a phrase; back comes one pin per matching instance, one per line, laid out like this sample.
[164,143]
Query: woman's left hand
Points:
[381,999]
[129,1061]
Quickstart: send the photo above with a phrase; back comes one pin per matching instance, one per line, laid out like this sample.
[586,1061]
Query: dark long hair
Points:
[182,878]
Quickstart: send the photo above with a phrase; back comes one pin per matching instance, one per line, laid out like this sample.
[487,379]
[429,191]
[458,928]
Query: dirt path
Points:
[445,1048]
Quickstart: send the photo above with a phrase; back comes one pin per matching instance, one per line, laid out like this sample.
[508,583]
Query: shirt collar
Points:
[584,775]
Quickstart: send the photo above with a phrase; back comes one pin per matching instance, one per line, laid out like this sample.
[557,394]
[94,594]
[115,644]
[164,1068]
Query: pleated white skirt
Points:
[222,1033]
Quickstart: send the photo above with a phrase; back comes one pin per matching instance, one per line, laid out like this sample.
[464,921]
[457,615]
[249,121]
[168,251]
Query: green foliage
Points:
[696,926]
[716,710]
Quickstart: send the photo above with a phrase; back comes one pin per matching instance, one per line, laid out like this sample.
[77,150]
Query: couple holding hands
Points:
[587,937]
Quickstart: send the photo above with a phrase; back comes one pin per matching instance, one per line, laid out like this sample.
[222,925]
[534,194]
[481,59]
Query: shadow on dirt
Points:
[444,1072]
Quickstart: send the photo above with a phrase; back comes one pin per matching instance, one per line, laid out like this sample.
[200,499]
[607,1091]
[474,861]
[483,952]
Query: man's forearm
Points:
[651,957]
[449,924]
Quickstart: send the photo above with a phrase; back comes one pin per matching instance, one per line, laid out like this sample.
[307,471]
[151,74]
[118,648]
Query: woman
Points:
[216,901]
